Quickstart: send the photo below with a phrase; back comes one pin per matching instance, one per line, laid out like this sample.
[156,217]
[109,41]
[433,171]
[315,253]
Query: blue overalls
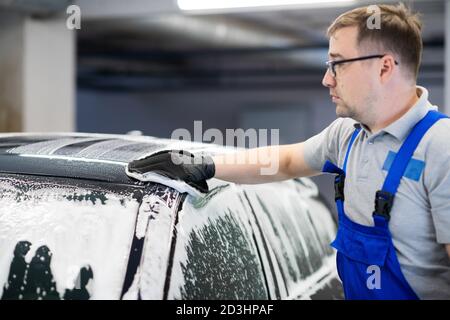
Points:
[366,259]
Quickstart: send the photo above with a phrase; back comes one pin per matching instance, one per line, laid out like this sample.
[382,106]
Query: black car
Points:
[73,225]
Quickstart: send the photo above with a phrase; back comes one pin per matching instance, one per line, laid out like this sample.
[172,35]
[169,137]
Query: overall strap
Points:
[352,139]
[339,180]
[330,167]
[384,198]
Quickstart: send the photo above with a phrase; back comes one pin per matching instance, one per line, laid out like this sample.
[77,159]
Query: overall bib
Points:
[366,259]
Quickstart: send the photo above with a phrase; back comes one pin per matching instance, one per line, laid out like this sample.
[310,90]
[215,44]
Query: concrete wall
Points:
[11,68]
[37,86]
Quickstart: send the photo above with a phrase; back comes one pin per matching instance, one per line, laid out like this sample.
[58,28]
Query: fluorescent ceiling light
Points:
[233,4]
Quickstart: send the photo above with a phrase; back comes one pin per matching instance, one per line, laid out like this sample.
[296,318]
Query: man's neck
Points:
[394,107]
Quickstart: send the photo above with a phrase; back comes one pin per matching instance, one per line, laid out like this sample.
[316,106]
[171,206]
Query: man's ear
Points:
[387,67]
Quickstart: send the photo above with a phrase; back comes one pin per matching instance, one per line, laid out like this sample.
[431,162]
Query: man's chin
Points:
[341,111]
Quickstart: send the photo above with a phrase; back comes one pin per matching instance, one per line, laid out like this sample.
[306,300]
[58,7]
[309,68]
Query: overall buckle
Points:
[339,181]
[383,204]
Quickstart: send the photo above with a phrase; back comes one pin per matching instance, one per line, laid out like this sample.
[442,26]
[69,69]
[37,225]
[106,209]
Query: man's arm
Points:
[447,246]
[258,165]
[265,164]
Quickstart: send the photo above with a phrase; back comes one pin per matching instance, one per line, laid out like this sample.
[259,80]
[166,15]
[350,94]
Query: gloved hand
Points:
[177,165]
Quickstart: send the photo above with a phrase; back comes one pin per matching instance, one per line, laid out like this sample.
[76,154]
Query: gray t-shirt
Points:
[420,217]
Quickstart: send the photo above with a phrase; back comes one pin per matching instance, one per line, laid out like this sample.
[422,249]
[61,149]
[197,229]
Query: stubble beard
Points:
[345,111]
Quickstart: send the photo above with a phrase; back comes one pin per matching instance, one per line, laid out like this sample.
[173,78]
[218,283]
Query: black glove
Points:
[178,165]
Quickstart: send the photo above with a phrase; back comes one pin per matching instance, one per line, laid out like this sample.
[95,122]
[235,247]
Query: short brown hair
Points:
[399,32]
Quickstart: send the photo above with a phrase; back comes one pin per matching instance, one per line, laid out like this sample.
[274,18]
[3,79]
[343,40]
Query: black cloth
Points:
[177,165]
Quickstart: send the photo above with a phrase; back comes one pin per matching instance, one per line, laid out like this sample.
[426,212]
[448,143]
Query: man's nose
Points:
[328,80]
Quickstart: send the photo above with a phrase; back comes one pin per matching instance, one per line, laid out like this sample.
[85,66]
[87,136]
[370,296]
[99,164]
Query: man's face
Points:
[353,89]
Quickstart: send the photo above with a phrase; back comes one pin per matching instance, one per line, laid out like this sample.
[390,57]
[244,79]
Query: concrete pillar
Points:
[11,64]
[37,87]
[446,108]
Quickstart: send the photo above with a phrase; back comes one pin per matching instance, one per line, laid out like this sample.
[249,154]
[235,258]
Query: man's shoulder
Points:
[436,148]
[437,139]
[440,131]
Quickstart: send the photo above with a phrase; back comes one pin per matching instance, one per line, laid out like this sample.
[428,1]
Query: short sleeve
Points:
[326,145]
[437,179]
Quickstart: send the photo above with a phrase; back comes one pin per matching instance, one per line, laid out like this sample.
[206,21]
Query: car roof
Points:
[84,155]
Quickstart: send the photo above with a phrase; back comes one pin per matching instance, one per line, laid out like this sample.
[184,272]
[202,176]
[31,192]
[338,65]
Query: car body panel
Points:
[215,246]
[155,232]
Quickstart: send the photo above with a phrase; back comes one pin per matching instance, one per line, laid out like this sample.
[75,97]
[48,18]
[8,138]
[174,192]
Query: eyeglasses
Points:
[333,63]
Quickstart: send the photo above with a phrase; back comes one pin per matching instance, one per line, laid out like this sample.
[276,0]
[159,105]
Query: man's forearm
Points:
[260,165]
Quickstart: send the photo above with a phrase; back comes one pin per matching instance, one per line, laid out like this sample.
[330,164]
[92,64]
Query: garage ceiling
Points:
[136,45]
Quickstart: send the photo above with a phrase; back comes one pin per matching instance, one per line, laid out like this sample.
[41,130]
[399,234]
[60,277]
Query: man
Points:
[385,145]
